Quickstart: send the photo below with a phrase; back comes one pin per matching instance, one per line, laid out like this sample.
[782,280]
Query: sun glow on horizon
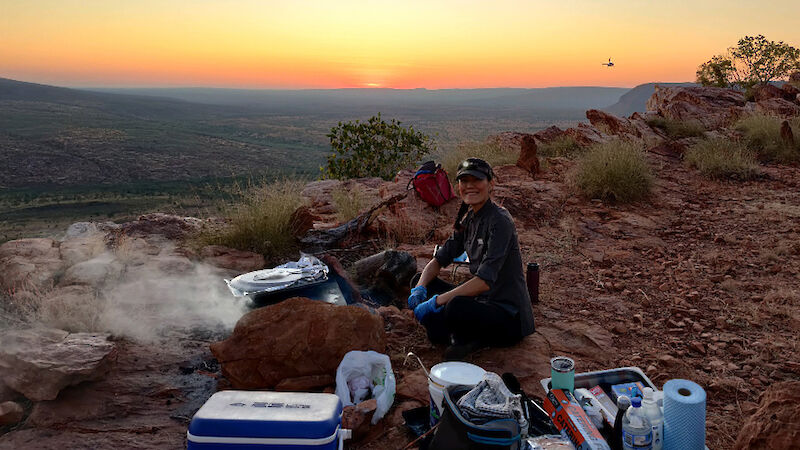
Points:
[377,44]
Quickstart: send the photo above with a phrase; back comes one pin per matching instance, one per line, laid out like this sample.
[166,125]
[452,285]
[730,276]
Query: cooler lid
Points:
[268,415]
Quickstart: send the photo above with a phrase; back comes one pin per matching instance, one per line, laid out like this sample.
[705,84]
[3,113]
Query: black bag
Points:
[456,432]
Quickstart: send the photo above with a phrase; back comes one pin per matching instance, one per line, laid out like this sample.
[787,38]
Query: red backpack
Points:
[431,184]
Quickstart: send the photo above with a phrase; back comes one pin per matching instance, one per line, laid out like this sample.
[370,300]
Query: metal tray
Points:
[607,378]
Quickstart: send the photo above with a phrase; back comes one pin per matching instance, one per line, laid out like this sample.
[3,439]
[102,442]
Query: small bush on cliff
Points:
[259,218]
[616,171]
[490,152]
[677,129]
[374,148]
[562,146]
[762,135]
[722,158]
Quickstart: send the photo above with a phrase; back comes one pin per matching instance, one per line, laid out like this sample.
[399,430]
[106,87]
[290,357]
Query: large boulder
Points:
[71,308]
[38,363]
[296,338]
[79,249]
[711,106]
[95,272]
[32,264]
[778,107]
[774,425]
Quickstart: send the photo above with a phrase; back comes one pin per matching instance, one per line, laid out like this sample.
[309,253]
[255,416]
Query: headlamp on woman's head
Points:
[476,167]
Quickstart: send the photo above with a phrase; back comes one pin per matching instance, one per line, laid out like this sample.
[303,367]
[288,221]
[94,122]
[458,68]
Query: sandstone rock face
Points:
[778,107]
[94,272]
[29,264]
[298,337]
[527,155]
[713,107]
[774,424]
[10,413]
[633,128]
[79,249]
[40,362]
[71,308]
[766,91]
[228,258]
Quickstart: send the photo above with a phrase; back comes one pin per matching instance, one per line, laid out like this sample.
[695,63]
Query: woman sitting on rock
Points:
[493,308]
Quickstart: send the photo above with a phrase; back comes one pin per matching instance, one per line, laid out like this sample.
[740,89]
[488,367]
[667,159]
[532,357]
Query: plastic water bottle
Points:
[637,433]
[655,416]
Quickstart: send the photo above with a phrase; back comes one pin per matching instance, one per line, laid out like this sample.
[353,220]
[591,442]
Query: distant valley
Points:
[110,152]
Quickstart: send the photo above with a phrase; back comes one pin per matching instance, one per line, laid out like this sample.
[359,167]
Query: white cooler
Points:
[250,420]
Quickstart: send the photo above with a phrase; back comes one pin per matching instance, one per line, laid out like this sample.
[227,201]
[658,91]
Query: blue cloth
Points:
[427,307]
[418,295]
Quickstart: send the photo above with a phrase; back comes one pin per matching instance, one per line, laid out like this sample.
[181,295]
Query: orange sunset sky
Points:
[399,44]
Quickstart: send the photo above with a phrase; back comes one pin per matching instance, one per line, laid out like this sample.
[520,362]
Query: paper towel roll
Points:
[684,415]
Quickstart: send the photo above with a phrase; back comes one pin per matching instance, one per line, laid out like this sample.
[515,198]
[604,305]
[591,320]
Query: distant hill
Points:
[635,99]
[557,98]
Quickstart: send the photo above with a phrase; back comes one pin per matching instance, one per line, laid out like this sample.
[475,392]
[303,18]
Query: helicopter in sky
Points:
[609,63]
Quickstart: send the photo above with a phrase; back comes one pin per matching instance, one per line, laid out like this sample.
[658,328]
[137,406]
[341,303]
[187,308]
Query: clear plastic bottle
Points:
[637,433]
[656,417]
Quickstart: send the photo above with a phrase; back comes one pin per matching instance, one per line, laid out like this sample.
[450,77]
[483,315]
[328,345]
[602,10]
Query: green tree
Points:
[373,148]
[752,61]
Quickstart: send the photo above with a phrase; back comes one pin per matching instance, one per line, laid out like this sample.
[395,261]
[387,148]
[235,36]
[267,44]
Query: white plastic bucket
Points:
[446,374]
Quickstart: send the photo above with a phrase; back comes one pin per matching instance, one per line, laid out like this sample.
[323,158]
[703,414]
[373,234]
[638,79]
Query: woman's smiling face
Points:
[474,191]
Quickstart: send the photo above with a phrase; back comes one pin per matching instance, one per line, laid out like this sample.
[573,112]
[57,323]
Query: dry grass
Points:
[563,146]
[451,157]
[348,202]
[259,219]
[721,158]
[615,171]
[677,129]
[762,134]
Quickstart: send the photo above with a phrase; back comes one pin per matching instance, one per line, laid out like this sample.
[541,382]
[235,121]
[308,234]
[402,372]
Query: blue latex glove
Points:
[418,295]
[427,307]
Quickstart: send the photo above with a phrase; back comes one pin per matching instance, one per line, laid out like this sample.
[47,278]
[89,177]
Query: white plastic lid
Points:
[648,393]
[457,372]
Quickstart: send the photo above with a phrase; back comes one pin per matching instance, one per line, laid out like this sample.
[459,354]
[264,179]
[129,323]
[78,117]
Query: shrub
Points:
[373,148]
[259,218]
[614,170]
[348,202]
[564,146]
[762,135]
[677,129]
[490,152]
[753,60]
[721,158]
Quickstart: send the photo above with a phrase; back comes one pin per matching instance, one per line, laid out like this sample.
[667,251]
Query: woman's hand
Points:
[427,307]
[418,295]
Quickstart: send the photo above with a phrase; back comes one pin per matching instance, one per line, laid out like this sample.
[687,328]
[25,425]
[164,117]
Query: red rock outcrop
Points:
[766,91]
[229,258]
[774,425]
[633,128]
[296,338]
[38,363]
[527,155]
[778,107]
[713,107]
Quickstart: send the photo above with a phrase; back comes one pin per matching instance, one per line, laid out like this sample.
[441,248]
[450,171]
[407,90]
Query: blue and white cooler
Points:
[250,420]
